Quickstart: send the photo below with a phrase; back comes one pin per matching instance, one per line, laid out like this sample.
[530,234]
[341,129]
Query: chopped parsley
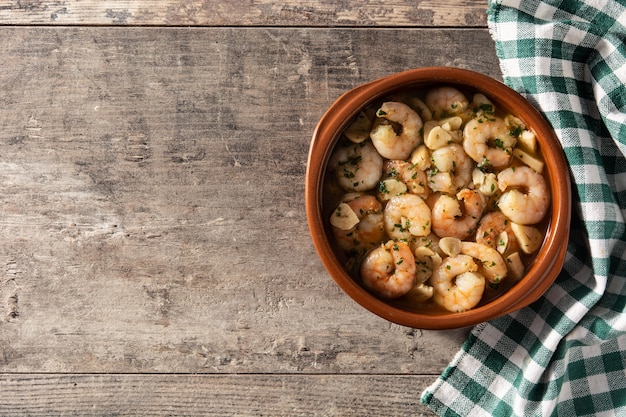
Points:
[516,131]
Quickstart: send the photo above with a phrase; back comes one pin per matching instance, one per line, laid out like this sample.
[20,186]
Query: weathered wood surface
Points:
[212,395]
[463,13]
[155,253]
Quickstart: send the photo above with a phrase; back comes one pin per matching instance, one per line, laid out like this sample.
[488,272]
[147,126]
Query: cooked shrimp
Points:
[358,166]
[457,286]
[390,144]
[389,270]
[487,140]
[357,223]
[407,216]
[446,101]
[452,160]
[525,197]
[493,265]
[409,174]
[457,217]
[495,231]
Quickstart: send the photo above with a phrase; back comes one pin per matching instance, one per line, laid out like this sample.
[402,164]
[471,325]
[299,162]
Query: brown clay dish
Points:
[549,260]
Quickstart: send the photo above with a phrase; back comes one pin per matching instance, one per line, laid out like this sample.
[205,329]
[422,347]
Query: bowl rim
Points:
[346,106]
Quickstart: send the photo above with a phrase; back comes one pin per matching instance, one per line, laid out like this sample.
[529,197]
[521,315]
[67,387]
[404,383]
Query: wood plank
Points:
[369,13]
[152,199]
[212,395]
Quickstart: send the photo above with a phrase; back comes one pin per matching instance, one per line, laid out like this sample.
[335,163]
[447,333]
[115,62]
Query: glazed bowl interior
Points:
[549,259]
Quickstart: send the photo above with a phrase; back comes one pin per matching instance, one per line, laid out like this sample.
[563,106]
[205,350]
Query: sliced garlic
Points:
[481,101]
[390,187]
[421,158]
[421,292]
[437,138]
[451,123]
[420,108]
[451,246]
[344,218]
[503,242]
[359,129]
[528,237]
[527,141]
[532,161]
[486,183]
[515,266]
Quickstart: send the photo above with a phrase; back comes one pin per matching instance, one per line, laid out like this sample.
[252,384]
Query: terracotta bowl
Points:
[550,257]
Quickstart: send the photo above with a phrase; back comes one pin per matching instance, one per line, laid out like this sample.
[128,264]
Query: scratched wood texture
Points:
[155,257]
[364,13]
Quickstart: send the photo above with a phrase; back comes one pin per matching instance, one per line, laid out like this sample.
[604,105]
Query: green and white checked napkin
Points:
[564,355]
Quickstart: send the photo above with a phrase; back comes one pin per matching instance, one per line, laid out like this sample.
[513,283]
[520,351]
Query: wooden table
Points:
[155,254]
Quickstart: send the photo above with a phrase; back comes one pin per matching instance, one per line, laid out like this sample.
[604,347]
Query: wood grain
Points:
[211,395]
[155,257]
[368,13]
[152,200]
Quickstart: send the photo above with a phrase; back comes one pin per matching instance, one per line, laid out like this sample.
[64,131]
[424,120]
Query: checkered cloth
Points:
[564,355]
